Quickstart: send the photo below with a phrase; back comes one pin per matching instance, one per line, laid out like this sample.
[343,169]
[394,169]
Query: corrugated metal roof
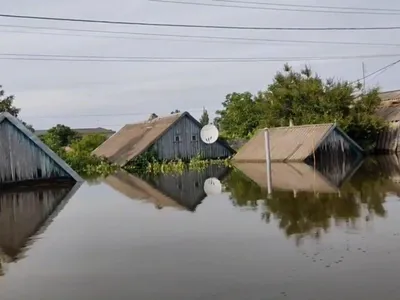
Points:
[135,188]
[288,177]
[133,139]
[390,95]
[293,143]
[389,110]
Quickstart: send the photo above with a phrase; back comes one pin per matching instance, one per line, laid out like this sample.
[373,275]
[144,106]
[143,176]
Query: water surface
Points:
[322,234]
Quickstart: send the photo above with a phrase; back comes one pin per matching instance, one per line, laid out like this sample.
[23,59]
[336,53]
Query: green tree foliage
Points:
[205,118]
[88,143]
[7,105]
[60,136]
[176,111]
[240,116]
[303,98]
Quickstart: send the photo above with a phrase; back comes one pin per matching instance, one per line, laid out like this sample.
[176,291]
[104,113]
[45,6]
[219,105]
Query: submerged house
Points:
[24,158]
[320,142]
[389,110]
[176,136]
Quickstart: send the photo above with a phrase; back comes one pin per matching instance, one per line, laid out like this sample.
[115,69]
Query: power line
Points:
[107,114]
[381,70]
[244,40]
[310,6]
[148,24]
[137,59]
[277,8]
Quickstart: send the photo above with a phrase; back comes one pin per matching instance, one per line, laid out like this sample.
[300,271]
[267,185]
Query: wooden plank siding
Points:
[182,140]
[22,160]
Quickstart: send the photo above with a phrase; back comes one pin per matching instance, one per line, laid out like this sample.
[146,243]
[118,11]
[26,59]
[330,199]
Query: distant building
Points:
[84,131]
[24,158]
[175,136]
[389,110]
[301,143]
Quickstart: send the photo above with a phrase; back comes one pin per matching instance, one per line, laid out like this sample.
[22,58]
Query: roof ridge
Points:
[301,126]
[158,118]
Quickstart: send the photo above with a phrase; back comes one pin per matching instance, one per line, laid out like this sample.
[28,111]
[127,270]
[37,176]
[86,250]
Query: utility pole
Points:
[363,71]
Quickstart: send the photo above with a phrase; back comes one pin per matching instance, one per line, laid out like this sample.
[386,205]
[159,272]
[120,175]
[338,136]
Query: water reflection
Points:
[307,201]
[25,213]
[184,191]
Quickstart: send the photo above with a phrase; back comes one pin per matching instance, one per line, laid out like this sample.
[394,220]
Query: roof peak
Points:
[302,126]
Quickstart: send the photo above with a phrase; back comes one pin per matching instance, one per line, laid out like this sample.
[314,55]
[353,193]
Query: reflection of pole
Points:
[268,160]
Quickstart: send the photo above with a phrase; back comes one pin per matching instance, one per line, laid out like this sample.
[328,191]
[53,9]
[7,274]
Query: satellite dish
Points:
[209,134]
[212,186]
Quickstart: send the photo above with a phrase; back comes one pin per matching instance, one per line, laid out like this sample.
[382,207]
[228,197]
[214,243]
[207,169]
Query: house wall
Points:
[22,160]
[336,157]
[178,142]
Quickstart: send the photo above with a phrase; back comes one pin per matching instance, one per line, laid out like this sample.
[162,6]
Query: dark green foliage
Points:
[60,136]
[176,111]
[7,105]
[205,118]
[303,98]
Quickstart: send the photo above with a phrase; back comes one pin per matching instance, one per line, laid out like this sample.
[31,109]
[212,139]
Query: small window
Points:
[196,184]
[194,138]
[177,138]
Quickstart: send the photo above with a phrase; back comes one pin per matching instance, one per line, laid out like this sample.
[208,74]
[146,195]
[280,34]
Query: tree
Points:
[240,116]
[60,136]
[304,98]
[7,105]
[88,143]
[176,111]
[204,119]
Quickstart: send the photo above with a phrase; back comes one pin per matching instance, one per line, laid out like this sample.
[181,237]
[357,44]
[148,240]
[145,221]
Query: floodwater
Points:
[327,234]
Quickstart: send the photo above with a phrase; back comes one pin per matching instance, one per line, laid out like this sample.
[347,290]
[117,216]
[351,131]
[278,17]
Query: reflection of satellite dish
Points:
[209,134]
[212,186]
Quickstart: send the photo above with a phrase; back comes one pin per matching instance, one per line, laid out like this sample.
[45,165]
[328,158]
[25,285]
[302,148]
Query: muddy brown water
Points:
[161,238]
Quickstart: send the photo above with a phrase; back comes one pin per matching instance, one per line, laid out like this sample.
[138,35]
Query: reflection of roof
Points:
[27,212]
[135,188]
[292,143]
[288,176]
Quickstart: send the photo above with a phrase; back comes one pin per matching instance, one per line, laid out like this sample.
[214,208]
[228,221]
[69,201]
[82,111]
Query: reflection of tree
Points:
[307,213]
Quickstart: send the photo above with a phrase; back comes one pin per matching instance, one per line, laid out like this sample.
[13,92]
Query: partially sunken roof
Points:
[5,116]
[390,95]
[293,143]
[134,139]
[389,110]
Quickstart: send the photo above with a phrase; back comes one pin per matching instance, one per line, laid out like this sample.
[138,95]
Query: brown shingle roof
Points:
[288,177]
[390,95]
[133,139]
[135,188]
[293,143]
[389,110]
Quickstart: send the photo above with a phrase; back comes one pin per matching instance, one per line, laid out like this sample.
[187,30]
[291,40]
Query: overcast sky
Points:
[64,92]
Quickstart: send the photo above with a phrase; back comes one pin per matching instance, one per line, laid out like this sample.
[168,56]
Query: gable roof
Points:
[288,177]
[21,127]
[134,139]
[292,143]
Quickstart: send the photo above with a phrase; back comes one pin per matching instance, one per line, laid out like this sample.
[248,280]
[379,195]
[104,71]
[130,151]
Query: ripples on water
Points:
[326,232]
